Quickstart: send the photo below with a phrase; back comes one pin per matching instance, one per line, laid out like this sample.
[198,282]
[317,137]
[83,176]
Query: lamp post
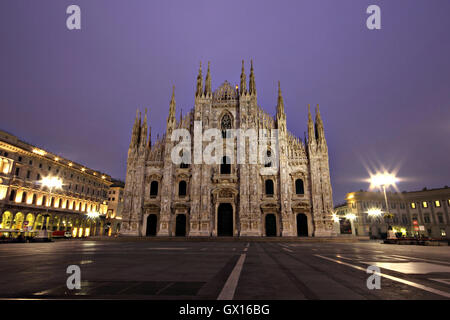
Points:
[51,183]
[384,180]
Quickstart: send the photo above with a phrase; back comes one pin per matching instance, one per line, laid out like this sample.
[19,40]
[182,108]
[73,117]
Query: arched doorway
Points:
[180,225]
[18,221]
[30,220]
[39,222]
[225,220]
[271,225]
[302,225]
[6,220]
[151,225]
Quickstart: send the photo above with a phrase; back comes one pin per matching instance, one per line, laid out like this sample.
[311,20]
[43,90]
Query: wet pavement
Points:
[223,270]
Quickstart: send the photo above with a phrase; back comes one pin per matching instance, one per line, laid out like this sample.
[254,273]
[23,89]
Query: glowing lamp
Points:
[51,182]
[383,179]
[374,212]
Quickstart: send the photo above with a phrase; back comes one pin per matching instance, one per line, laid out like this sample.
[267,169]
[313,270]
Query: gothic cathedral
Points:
[229,198]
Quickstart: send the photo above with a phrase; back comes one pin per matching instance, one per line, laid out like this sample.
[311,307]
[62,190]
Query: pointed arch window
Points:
[299,187]
[225,124]
[269,187]
[153,189]
[182,186]
[182,164]
[267,162]
[225,167]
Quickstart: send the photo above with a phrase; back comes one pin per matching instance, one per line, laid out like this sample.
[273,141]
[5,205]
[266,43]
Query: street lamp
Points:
[51,183]
[374,212]
[383,180]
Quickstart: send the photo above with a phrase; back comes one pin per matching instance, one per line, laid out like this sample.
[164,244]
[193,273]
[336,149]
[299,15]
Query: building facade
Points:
[425,212]
[115,207]
[289,196]
[27,202]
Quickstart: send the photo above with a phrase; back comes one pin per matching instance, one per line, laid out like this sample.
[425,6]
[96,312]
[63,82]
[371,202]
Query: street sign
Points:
[422,228]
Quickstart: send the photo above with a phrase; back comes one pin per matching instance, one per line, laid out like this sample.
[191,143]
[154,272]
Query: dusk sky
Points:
[384,95]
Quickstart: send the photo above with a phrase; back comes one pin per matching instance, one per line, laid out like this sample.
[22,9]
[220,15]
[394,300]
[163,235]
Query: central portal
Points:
[225,220]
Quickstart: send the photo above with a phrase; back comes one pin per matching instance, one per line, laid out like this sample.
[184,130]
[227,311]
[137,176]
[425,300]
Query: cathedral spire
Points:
[135,131]
[199,90]
[319,126]
[280,103]
[181,116]
[172,103]
[143,133]
[243,88]
[149,142]
[171,120]
[252,86]
[311,135]
[208,90]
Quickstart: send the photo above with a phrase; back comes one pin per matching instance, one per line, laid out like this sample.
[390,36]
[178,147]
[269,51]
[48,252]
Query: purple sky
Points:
[384,95]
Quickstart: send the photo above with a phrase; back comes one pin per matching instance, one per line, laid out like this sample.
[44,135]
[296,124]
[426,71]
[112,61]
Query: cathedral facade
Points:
[285,195]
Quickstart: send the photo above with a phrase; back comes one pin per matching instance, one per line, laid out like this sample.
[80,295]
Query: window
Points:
[30,162]
[153,189]
[225,124]
[424,204]
[28,174]
[67,204]
[299,187]
[52,202]
[413,205]
[40,165]
[269,187]
[44,201]
[426,218]
[440,218]
[393,205]
[34,199]
[19,159]
[17,171]
[437,203]
[404,219]
[267,162]
[24,197]
[182,188]
[225,167]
